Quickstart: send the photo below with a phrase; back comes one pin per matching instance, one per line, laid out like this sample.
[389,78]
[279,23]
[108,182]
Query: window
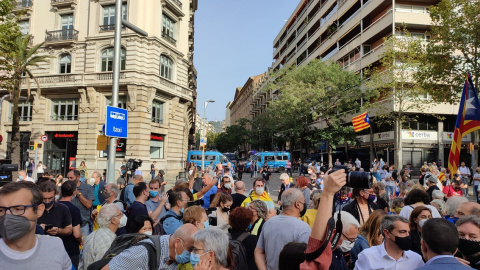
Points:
[24,26]
[269,158]
[122,102]
[24,111]
[64,110]
[166,67]
[107,59]
[157,112]
[156,149]
[109,16]
[65,64]
[67,26]
[168,26]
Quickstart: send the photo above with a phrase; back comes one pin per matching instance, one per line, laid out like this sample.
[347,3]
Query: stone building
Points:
[157,82]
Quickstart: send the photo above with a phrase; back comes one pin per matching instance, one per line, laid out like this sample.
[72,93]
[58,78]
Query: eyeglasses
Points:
[16,210]
[350,239]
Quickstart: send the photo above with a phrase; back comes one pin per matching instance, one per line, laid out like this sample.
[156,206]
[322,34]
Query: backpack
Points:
[125,241]
[158,229]
[238,251]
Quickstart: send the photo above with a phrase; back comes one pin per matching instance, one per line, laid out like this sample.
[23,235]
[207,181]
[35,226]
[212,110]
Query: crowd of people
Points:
[211,221]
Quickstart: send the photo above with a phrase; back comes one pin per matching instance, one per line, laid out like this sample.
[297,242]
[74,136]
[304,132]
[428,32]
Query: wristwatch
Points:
[78,194]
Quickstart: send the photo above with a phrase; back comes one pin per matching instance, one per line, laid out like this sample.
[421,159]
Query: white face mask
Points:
[228,185]
[346,246]
[259,190]
[91,181]
[148,232]
[123,221]
[421,222]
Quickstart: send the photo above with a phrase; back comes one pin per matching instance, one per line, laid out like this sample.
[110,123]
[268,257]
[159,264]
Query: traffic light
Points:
[33,145]
[470,147]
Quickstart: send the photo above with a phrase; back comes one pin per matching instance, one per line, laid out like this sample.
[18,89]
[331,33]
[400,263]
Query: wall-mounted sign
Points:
[156,137]
[419,135]
[64,135]
[448,136]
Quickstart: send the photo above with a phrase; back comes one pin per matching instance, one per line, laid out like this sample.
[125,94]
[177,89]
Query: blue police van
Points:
[215,157]
[275,160]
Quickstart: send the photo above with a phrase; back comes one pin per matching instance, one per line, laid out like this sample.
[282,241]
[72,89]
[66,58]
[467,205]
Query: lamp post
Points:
[204,129]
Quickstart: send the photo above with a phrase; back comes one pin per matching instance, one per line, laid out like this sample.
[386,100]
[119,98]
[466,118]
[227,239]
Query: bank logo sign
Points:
[419,135]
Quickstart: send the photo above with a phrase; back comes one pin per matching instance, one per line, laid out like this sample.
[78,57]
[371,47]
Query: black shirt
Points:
[266,174]
[136,209]
[237,200]
[431,189]
[69,241]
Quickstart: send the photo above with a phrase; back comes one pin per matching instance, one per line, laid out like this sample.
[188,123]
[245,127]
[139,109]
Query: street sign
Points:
[322,145]
[116,124]
[102,143]
[44,138]
[203,141]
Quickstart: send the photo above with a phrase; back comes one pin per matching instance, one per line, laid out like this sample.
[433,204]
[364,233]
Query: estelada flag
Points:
[468,120]
[361,122]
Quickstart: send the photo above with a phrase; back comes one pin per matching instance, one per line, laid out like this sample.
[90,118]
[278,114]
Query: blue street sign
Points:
[116,124]
[322,145]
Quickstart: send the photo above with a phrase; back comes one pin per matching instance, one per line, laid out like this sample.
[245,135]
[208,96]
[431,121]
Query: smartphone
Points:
[48,227]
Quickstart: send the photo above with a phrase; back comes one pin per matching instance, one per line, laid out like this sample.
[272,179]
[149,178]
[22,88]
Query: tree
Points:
[320,93]
[17,59]
[453,50]
[393,79]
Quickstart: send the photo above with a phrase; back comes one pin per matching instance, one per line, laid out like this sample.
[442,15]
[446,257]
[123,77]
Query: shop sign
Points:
[377,137]
[448,136]
[156,137]
[419,135]
[64,135]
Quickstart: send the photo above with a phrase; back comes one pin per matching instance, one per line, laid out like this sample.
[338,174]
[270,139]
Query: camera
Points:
[6,169]
[198,202]
[356,179]
[211,220]
[133,164]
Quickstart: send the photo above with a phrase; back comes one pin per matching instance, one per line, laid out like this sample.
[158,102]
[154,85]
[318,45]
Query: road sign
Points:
[203,141]
[116,124]
[102,143]
[44,138]
[322,145]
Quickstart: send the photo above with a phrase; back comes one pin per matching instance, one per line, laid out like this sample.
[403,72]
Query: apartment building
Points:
[157,82]
[352,32]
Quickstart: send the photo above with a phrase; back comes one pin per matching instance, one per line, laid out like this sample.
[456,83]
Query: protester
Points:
[466,208]
[347,240]
[418,216]
[260,212]
[197,216]
[225,185]
[452,206]
[431,182]
[302,185]
[380,201]
[397,205]
[455,188]
[266,175]
[259,193]
[210,250]
[156,205]
[440,206]
[99,241]
[175,249]
[468,228]
[369,235]
[363,204]
[311,213]
[439,243]
[286,184]
[129,196]
[98,189]
[239,195]
[178,201]
[20,248]
[138,207]
[417,197]
[394,252]
[274,236]
[291,256]
[142,224]
[239,219]
[222,202]
[22,176]
[83,199]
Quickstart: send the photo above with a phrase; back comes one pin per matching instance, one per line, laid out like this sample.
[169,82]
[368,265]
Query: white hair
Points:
[290,196]
[442,208]
[284,176]
[215,240]
[453,203]
[106,213]
[347,220]
[437,194]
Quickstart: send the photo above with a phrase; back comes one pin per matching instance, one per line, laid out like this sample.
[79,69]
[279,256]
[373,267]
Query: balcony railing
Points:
[109,27]
[169,38]
[178,3]
[24,3]
[61,35]
[63,1]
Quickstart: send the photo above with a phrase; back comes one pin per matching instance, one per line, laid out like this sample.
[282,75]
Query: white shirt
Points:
[407,210]
[17,255]
[376,258]
[27,179]
[464,170]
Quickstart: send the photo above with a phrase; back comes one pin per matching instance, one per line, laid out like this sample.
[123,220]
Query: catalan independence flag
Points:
[361,122]
[468,120]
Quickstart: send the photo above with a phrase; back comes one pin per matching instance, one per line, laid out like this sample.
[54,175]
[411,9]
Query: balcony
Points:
[21,4]
[169,38]
[174,6]
[63,3]
[61,36]
[109,27]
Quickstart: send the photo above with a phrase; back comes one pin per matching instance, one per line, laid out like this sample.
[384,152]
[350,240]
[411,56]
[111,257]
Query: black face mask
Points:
[470,249]
[48,204]
[404,243]
[225,209]
[304,209]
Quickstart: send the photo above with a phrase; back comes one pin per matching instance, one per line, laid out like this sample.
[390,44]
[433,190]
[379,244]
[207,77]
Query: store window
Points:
[156,145]
[64,110]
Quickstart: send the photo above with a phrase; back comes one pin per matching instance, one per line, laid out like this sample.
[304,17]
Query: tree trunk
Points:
[398,143]
[15,138]
[330,161]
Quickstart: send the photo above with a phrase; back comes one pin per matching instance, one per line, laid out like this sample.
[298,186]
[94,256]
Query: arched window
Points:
[107,59]
[65,63]
[166,67]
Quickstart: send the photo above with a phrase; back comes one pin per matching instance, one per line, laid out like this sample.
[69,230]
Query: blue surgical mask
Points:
[182,258]
[123,172]
[206,224]
[182,210]
[20,177]
[194,258]
[153,193]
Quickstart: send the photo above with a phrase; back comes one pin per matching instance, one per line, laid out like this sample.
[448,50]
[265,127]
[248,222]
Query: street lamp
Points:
[204,129]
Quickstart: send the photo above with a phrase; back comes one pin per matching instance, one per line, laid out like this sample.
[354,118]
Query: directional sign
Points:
[322,145]
[116,124]
[203,141]
[44,138]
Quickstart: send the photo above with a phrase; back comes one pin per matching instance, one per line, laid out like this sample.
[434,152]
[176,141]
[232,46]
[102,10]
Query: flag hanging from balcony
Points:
[468,120]
[361,122]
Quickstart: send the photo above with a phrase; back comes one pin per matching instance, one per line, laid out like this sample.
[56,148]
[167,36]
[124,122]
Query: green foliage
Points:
[232,138]
[453,50]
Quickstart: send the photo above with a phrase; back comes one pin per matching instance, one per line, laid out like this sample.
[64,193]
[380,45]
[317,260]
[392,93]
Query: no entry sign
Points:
[44,138]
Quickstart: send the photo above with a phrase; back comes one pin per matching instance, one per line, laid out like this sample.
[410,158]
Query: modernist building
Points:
[157,82]
[352,32]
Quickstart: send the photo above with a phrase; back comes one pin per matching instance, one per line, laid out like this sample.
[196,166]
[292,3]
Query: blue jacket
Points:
[101,190]
[445,263]
[359,246]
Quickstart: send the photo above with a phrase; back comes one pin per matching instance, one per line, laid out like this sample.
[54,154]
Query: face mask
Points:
[106,195]
[206,224]
[123,172]
[148,232]
[404,243]
[57,197]
[398,209]
[346,246]
[259,190]
[225,209]
[153,194]
[195,258]
[91,181]
[228,185]
[309,172]
[48,204]
[20,177]
[470,250]
[123,221]
[302,213]
[13,227]
[371,198]
[82,175]
[183,209]
[182,258]
[422,222]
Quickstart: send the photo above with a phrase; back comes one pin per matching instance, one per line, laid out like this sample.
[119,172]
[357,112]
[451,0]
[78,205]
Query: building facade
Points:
[157,82]
[351,33]
[241,104]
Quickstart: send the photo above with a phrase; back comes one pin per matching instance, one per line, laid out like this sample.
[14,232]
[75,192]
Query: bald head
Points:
[466,208]
[182,236]
[290,196]
[239,187]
